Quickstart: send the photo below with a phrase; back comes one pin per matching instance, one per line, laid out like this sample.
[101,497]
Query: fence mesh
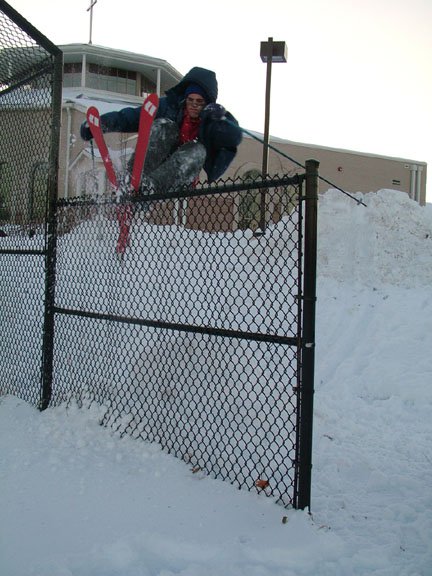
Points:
[26,109]
[191,339]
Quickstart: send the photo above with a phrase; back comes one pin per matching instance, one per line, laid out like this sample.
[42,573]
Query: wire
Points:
[255,137]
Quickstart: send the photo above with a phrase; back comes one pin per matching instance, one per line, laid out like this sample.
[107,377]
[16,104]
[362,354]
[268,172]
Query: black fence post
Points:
[51,232]
[308,339]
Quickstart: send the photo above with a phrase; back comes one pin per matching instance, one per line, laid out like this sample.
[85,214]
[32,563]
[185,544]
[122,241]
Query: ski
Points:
[148,113]
[125,211]
[93,119]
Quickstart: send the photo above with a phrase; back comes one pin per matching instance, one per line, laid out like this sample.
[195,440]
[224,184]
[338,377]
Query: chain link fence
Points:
[194,338]
[200,338]
[30,103]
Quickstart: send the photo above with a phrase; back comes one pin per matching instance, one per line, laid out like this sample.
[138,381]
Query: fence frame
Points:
[306,342]
[49,252]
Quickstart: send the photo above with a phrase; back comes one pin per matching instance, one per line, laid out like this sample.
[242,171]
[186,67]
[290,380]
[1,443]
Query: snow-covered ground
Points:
[77,500]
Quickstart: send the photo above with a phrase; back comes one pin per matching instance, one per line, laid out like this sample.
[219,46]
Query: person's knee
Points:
[163,129]
[163,140]
[194,150]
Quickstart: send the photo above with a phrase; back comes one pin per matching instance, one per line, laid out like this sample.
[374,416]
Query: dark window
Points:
[249,206]
[72,67]
[111,79]
[5,193]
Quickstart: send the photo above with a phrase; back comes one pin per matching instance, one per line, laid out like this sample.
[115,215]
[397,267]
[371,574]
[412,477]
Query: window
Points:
[250,203]
[4,195]
[111,79]
[38,193]
[73,68]
[72,74]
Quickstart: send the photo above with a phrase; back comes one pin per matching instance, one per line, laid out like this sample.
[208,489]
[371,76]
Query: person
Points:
[191,132]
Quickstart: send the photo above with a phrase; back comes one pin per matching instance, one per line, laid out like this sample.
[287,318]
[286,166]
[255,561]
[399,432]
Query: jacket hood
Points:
[201,76]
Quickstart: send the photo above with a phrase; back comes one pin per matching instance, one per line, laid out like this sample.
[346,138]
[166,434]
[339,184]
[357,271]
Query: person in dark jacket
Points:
[190,132]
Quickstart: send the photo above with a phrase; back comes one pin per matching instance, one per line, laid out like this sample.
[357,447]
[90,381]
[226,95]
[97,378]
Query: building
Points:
[346,169]
[112,79]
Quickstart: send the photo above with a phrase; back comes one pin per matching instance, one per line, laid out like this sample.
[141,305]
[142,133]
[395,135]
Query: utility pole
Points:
[90,9]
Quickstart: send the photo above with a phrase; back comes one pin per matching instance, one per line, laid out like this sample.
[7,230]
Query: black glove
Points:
[85,131]
[213,111]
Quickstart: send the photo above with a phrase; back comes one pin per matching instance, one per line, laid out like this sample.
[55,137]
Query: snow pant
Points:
[167,166]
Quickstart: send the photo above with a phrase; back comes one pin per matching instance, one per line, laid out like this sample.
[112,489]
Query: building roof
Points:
[115,58]
[83,98]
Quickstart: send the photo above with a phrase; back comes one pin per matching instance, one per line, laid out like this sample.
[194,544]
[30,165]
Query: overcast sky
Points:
[358,75]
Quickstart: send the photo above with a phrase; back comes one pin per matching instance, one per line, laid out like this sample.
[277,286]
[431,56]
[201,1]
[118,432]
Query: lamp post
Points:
[270,52]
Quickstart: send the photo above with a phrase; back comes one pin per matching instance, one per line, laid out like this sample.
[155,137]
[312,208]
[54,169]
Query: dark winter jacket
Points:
[220,138]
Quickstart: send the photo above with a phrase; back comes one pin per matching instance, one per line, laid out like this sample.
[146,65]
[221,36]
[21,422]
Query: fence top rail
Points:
[201,190]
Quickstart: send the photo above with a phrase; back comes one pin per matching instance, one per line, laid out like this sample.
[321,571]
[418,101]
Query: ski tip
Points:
[151,104]
[92,112]
[153,97]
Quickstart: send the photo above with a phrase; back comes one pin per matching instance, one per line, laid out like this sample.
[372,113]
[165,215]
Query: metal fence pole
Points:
[308,340]
[50,258]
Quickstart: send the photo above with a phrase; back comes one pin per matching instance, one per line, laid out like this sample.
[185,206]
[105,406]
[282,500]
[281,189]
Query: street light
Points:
[270,52]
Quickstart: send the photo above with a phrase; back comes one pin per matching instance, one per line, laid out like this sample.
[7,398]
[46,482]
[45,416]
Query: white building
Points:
[112,79]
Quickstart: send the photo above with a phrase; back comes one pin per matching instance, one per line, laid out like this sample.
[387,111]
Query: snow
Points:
[78,500]
[84,99]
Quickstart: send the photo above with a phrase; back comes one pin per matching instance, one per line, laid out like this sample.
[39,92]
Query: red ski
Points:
[148,113]
[93,119]
[125,211]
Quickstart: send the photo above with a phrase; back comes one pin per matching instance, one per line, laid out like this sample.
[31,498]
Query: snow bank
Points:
[77,500]
[387,242]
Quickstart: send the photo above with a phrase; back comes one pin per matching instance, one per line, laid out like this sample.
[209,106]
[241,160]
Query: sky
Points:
[358,74]
[76,499]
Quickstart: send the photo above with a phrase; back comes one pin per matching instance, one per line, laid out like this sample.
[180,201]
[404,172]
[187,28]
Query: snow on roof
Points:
[26,98]
[83,99]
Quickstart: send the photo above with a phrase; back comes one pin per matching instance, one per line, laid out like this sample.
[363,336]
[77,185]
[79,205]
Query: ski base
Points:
[129,185]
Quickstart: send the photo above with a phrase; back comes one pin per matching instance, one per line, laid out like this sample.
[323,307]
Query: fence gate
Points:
[201,339]
[30,107]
